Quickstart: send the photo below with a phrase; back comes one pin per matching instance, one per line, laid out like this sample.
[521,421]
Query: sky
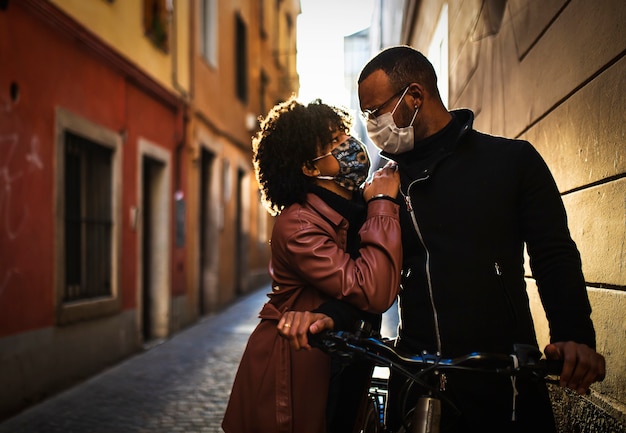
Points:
[321,27]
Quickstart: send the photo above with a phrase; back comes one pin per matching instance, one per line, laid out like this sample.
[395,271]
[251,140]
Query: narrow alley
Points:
[181,385]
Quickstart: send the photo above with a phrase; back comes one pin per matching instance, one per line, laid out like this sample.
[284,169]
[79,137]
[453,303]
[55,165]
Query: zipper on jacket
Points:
[514,316]
[506,292]
[407,198]
[409,206]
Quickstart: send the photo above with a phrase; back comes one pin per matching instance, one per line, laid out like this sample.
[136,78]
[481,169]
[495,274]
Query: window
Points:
[288,48]
[263,86]
[87,218]
[262,18]
[285,42]
[208,31]
[241,59]
[156,23]
[276,35]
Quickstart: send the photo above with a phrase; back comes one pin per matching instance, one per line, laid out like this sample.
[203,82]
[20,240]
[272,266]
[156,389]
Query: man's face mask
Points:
[387,136]
[354,164]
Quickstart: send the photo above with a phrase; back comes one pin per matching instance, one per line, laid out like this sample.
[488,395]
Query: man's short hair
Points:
[403,65]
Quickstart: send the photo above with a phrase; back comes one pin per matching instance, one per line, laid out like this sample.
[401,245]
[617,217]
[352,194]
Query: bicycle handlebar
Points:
[523,359]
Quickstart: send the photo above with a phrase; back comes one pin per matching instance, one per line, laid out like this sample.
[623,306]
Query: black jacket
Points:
[477,200]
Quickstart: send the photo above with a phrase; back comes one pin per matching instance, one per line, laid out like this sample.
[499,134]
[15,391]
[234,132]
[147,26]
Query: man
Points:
[472,202]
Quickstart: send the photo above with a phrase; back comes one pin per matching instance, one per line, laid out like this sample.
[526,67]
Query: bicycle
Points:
[424,416]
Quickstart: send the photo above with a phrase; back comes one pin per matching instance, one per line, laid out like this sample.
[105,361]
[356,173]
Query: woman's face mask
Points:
[387,136]
[354,164]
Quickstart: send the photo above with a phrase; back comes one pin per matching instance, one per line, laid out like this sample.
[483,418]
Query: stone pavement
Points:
[181,385]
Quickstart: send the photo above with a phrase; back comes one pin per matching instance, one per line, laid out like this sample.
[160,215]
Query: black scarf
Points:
[354,211]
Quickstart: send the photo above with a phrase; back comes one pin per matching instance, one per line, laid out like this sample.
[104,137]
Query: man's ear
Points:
[309,169]
[416,91]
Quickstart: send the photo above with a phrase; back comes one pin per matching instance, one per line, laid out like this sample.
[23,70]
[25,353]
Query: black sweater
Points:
[477,200]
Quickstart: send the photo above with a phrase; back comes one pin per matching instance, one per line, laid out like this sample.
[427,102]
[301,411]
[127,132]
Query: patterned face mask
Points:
[354,164]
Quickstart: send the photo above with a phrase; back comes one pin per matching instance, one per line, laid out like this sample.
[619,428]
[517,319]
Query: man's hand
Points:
[581,364]
[294,326]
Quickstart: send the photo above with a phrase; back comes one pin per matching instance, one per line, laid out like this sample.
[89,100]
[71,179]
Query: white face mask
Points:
[386,135]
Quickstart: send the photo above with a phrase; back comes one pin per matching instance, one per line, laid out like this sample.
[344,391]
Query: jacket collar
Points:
[420,162]
[462,117]
[322,208]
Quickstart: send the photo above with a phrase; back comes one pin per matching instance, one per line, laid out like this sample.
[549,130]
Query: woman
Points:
[332,240]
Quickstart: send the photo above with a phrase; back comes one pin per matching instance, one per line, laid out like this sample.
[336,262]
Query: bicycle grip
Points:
[554,367]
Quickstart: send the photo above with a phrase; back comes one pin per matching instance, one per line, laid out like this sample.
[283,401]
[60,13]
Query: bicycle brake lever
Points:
[530,356]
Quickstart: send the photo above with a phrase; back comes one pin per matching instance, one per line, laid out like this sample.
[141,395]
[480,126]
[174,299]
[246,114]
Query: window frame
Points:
[68,312]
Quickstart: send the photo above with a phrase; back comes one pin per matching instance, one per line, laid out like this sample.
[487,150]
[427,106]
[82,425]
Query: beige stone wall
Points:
[554,73]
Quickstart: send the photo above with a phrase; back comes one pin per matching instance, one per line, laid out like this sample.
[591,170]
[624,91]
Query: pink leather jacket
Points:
[278,389]
[308,251]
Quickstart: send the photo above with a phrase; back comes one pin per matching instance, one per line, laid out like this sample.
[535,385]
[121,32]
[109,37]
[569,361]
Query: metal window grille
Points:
[88,219]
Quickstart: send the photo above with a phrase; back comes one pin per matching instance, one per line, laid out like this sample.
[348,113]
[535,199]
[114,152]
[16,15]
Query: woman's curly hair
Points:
[291,135]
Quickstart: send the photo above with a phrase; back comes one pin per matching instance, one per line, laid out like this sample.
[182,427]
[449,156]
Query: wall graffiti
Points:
[8,201]
[17,161]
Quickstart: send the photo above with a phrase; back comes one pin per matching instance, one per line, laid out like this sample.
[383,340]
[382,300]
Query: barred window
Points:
[88,203]
[88,219]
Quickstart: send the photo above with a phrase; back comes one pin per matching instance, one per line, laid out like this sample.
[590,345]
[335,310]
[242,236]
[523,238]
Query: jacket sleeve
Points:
[346,317]
[369,282]
[554,257]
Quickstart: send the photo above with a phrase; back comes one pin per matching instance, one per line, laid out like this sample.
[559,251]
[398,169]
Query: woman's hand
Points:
[385,181]
[295,325]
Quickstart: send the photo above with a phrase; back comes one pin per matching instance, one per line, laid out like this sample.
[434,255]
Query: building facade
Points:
[552,73]
[227,240]
[128,205]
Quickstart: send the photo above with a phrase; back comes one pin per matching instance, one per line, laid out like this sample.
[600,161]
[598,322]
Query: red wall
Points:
[53,69]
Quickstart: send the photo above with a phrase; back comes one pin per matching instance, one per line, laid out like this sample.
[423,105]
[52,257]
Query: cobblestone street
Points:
[181,385]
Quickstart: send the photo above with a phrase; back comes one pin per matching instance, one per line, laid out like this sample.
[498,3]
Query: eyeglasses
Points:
[368,114]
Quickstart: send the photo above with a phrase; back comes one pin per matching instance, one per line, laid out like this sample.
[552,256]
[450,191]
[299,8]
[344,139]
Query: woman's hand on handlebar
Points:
[581,364]
[296,325]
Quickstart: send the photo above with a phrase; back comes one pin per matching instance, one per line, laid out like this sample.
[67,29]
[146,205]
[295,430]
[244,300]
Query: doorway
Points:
[154,242]
[208,295]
